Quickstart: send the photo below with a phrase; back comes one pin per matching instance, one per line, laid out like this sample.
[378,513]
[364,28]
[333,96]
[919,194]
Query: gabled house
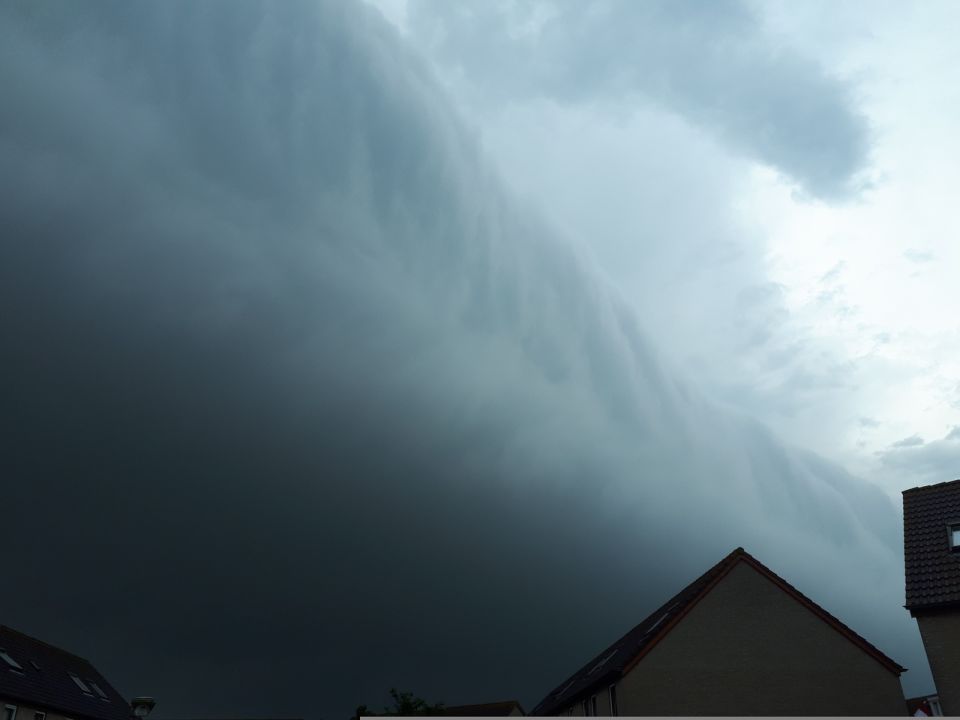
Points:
[738,640]
[931,556]
[42,682]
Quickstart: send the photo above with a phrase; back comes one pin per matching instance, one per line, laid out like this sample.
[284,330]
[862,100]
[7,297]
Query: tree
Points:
[404,704]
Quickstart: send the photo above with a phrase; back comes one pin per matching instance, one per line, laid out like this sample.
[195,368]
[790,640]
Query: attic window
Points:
[36,665]
[660,619]
[954,533]
[98,691]
[80,684]
[602,662]
[14,665]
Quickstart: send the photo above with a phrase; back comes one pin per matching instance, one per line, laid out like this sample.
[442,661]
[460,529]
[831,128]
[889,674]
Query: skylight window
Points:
[602,662]
[14,665]
[80,684]
[954,531]
[98,691]
[660,619]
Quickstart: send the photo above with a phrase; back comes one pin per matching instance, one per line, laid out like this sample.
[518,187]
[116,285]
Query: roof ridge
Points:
[930,487]
[31,638]
[737,552]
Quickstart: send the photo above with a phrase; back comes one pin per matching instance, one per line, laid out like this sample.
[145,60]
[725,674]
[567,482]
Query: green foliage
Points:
[404,705]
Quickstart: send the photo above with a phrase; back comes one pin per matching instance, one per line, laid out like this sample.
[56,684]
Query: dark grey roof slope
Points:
[45,681]
[621,656]
[931,570]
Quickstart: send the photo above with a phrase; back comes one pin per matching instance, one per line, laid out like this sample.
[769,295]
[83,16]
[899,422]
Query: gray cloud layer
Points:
[711,63]
[300,404]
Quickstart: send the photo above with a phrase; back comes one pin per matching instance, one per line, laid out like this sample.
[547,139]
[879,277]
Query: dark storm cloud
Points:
[299,405]
[710,62]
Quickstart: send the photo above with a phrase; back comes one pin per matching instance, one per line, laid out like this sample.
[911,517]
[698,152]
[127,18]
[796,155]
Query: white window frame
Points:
[100,693]
[953,530]
[585,706]
[593,705]
[612,699]
[80,683]
[9,716]
[14,665]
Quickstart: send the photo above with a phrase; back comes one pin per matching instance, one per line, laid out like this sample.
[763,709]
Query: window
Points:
[39,716]
[36,666]
[586,708]
[80,684]
[603,661]
[98,691]
[14,665]
[10,712]
[954,532]
[613,700]
[593,705]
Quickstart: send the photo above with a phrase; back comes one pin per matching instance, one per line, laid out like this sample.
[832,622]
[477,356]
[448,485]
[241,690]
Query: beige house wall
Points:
[941,640]
[748,648]
[26,711]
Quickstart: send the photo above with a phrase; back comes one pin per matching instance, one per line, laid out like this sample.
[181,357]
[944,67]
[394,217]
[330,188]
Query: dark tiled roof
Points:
[931,570]
[494,709]
[51,686]
[626,652]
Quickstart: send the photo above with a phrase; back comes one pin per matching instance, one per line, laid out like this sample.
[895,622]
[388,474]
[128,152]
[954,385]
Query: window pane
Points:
[955,536]
[10,661]
[80,684]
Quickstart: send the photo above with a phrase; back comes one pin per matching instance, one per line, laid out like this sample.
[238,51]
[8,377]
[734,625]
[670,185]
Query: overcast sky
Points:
[432,345]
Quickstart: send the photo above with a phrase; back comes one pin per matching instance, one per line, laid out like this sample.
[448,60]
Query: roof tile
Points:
[931,570]
[51,686]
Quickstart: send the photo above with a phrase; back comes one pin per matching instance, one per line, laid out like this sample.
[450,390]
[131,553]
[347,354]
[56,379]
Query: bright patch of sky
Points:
[829,316]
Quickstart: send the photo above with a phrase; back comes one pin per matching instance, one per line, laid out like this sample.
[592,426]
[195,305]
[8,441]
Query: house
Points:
[42,682]
[506,708]
[924,706]
[738,640]
[931,556]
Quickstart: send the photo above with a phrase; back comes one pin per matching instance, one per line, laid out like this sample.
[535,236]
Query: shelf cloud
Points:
[300,403]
